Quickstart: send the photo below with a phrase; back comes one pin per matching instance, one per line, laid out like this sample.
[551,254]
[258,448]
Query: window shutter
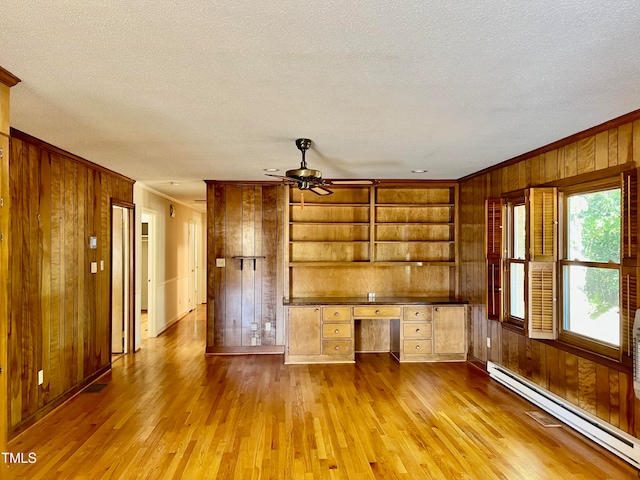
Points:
[494,221]
[629,305]
[543,224]
[630,216]
[494,289]
[629,274]
[542,319]
[542,237]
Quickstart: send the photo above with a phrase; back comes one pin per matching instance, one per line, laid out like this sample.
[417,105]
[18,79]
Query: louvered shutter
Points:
[542,318]
[630,217]
[494,249]
[543,224]
[629,276]
[629,305]
[542,240]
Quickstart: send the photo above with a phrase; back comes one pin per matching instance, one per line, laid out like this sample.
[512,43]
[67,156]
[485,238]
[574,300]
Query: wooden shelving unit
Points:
[414,224]
[385,225]
[331,229]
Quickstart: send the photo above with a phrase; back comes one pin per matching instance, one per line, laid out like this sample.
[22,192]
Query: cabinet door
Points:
[449,330]
[304,330]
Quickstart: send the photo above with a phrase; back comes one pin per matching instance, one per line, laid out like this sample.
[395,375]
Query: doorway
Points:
[121,278]
[148,273]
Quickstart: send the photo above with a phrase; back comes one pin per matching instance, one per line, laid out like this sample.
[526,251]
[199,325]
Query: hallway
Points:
[169,411]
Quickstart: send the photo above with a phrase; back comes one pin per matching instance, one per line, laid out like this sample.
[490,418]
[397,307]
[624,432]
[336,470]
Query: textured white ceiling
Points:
[163,90]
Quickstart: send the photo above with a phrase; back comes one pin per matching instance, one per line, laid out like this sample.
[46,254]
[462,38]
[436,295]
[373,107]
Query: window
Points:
[591,267]
[570,263]
[515,262]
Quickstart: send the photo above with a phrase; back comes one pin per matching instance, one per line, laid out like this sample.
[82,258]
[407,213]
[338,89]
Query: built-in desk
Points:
[412,329]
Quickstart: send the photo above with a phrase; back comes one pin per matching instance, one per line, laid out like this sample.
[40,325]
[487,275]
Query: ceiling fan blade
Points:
[318,190]
[353,182]
[293,180]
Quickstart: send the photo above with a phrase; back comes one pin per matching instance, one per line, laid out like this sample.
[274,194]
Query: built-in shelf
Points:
[385,225]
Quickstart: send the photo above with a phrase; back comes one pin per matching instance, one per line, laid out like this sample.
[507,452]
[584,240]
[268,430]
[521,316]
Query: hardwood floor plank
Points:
[169,411]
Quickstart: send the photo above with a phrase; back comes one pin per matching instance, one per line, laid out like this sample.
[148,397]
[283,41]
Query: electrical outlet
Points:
[254,341]
[220,262]
[40,377]
[267,326]
[488,342]
[254,326]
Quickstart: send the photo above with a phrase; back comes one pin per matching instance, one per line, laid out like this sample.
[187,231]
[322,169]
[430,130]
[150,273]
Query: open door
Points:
[121,278]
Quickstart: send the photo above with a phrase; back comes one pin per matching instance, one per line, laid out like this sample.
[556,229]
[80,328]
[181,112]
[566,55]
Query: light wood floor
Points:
[171,412]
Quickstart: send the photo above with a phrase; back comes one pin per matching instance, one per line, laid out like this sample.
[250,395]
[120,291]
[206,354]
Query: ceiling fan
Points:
[309,179]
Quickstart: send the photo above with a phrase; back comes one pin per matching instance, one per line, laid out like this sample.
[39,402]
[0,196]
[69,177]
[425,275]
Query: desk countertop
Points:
[379,300]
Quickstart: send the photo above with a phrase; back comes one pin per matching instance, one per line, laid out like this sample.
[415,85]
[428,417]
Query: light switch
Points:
[94,267]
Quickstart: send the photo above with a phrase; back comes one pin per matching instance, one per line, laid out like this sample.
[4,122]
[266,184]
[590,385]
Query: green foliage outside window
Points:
[596,238]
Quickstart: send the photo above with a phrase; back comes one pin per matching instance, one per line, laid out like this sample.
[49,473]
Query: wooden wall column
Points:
[7,80]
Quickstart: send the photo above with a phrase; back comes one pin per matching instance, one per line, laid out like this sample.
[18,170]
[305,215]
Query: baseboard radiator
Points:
[613,439]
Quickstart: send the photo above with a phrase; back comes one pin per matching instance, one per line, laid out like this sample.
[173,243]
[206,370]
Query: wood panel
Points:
[599,387]
[4,256]
[372,335]
[246,295]
[59,311]
[357,280]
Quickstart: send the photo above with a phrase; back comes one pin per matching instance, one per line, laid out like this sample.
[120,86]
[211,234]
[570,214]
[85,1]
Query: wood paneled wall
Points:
[244,220]
[59,311]
[7,80]
[597,387]
[384,281]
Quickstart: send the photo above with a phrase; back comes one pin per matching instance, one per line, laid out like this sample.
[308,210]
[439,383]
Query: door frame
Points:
[129,346]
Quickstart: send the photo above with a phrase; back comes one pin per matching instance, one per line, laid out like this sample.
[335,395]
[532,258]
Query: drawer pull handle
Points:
[336,314]
[377,312]
[417,314]
[417,347]
[337,347]
[417,330]
[437,309]
[337,331]
[317,309]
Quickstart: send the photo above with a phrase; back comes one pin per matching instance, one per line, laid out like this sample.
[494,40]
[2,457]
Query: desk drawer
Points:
[336,330]
[417,313]
[336,347]
[377,311]
[336,314]
[419,347]
[416,330]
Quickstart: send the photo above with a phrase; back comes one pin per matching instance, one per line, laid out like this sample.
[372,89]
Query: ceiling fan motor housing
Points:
[305,174]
